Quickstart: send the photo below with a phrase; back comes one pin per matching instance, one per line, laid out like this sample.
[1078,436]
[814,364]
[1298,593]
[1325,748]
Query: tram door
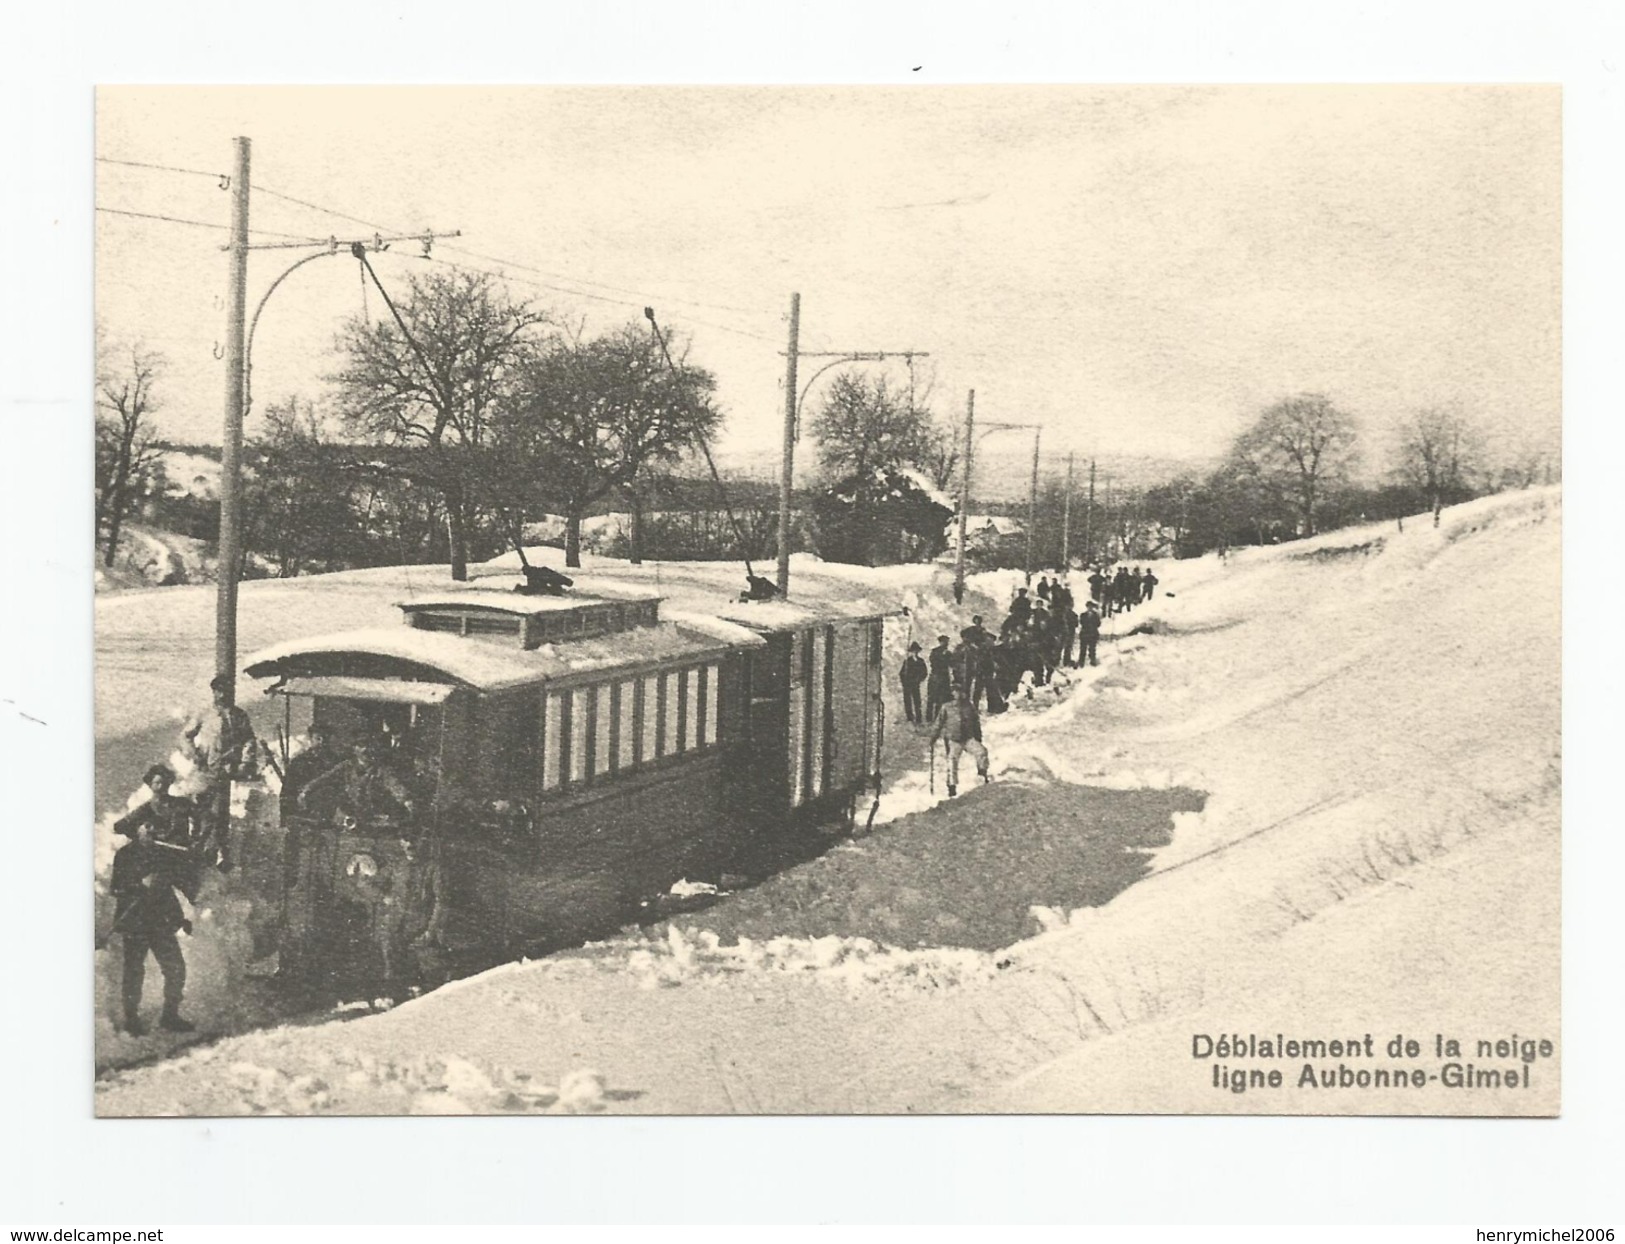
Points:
[851,699]
[769,725]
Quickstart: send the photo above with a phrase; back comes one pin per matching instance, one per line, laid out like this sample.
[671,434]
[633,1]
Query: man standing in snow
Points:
[1088,635]
[912,676]
[173,818]
[1021,608]
[221,744]
[1148,585]
[940,687]
[146,874]
[959,725]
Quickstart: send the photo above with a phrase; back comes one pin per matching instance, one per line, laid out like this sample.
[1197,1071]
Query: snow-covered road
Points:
[1374,717]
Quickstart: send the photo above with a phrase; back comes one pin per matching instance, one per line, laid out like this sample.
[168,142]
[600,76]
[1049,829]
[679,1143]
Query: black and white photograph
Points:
[786,600]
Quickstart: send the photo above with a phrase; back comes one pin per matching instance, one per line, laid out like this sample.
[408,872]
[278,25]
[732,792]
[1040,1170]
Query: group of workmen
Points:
[1120,591]
[181,832]
[1040,634]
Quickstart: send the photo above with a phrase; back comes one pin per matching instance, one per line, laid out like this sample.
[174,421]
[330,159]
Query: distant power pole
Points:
[230,551]
[1032,506]
[790,356]
[1066,520]
[1089,520]
[964,495]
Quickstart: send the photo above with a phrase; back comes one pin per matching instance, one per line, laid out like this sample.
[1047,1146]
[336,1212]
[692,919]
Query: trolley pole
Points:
[786,484]
[964,495]
[231,445]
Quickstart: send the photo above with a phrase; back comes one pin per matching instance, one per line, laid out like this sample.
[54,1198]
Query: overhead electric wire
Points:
[208,224]
[354,220]
[620,289]
[507,264]
[580,293]
[223,178]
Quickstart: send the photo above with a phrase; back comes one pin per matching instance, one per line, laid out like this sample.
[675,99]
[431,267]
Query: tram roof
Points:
[519,604]
[489,666]
[712,588]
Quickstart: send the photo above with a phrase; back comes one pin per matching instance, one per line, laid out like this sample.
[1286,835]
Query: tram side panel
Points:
[634,787]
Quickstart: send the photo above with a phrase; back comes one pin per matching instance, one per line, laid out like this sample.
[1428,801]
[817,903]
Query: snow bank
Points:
[1375,717]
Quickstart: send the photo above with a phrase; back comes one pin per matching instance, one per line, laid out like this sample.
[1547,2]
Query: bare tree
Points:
[864,425]
[1296,450]
[435,388]
[126,455]
[591,418]
[1439,451]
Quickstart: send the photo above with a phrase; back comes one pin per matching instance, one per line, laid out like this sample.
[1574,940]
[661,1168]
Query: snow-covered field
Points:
[1371,719]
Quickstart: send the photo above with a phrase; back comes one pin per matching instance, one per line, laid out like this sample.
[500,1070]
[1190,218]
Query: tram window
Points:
[691,710]
[628,726]
[552,741]
[713,704]
[672,683]
[651,715]
[603,729]
[580,732]
[820,709]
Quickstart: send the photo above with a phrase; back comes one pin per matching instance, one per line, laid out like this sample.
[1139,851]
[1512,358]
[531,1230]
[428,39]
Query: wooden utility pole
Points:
[1032,506]
[1066,521]
[964,494]
[231,445]
[787,482]
[1089,521]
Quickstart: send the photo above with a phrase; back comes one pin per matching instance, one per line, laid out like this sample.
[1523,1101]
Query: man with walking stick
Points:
[959,726]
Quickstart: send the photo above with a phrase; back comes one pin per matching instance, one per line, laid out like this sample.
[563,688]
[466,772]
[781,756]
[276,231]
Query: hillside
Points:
[1318,795]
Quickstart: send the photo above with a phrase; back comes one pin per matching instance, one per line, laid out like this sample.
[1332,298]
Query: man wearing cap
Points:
[912,677]
[173,818]
[1088,634]
[221,743]
[940,687]
[147,915]
[360,788]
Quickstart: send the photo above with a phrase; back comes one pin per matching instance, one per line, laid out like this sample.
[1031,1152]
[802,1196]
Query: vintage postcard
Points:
[828,600]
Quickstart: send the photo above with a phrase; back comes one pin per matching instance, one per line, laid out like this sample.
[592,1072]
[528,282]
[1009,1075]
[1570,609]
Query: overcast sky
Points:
[1140,270]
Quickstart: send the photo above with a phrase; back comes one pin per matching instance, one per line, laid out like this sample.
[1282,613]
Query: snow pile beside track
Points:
[685,956]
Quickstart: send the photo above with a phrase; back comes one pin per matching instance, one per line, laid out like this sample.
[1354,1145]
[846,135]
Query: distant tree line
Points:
[451,432]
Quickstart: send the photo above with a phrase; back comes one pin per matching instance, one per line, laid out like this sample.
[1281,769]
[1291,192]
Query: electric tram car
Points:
[569,755]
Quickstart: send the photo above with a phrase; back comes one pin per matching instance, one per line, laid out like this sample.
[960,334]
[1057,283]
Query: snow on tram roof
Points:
[506,600]
[713,588]
[488,666]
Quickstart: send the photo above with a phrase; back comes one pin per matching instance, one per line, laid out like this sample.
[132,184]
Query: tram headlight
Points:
[361,866]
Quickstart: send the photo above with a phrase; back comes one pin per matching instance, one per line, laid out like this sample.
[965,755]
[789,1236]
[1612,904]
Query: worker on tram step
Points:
[912,676]
[409,917]
[147,915]
[939,687]
[221,745]
[959,725]
[361,788]
[1089,634]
